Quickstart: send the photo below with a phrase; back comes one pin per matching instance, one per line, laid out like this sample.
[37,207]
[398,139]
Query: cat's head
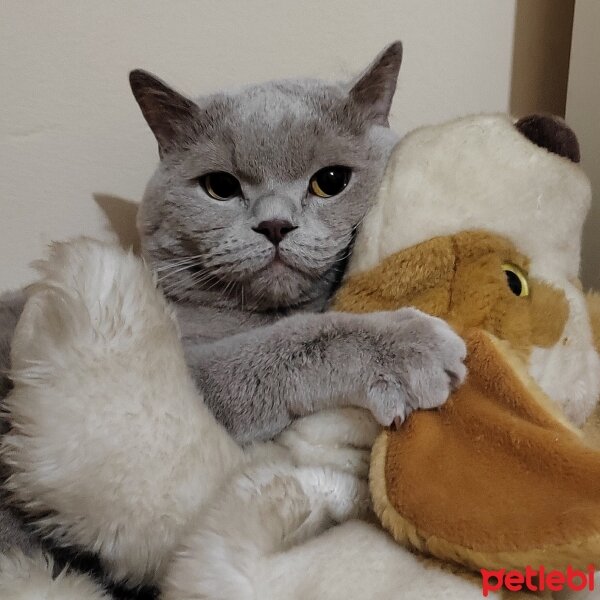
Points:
[259,191]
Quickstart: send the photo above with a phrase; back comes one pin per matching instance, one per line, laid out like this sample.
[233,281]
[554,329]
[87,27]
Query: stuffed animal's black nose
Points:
[274,230]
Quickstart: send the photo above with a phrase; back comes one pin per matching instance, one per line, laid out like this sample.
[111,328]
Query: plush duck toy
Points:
[479,222]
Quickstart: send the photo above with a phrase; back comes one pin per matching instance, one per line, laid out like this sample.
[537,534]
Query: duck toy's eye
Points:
[516,279]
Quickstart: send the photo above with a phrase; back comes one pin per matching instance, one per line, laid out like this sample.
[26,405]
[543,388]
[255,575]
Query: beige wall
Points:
[583,114]
[70,131]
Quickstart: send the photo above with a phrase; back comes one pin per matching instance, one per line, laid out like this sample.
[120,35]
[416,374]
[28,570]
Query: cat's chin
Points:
[279,285]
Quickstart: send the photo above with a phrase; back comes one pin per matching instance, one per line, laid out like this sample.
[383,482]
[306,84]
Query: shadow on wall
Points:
[541,51]
[121,215]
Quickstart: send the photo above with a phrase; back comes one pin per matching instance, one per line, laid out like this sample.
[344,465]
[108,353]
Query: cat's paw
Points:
[418,361]
[340,439]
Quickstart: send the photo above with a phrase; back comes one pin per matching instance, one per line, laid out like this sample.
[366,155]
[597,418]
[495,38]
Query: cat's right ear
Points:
[169,114]
[374,91]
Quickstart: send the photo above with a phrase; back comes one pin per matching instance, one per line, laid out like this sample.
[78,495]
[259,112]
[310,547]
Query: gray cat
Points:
[248,221]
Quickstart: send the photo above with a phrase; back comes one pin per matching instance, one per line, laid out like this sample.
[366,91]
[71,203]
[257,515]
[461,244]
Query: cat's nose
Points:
[274,230]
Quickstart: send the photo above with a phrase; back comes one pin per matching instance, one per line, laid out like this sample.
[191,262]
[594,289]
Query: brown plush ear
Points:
[169,114]
[374,90]
[552,133]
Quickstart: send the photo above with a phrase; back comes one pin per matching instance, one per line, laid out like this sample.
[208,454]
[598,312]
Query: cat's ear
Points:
[169,114]
[374,90]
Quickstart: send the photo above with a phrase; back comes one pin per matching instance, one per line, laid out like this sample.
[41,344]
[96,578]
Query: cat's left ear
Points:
[374,91]
[169,114]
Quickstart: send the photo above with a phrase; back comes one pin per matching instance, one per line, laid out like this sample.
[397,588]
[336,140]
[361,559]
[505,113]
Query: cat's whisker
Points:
[174,271]
[174,264]
[177,259]
[342,258]
[202,278]
[209,229]
[167,264]
[181,258]
[160,271]
[360,222]
[228,288]
[211,279]
[213,285]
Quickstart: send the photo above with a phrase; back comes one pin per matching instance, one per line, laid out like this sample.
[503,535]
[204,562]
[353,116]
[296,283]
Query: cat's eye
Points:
[516,279]
[329,181]
[220,185]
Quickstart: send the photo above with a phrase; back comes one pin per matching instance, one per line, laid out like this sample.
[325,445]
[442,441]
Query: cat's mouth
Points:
[278,263]
[287,259]
[282,261]
[281,266]
[278,259]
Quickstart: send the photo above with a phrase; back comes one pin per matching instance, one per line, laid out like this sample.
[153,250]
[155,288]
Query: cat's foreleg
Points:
[111,447]
[389,363]
[340,439]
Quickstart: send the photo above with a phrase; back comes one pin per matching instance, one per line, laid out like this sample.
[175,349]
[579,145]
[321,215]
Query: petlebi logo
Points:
[539,580]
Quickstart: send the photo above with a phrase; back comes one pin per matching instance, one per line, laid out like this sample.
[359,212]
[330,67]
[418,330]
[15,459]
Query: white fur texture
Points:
[114,449]
[266,509]
[339,439]
[260,542]
[481,173]
[111,444]
[30,578]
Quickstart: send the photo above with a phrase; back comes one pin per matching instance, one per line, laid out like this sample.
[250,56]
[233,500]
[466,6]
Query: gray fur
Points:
[13,535]
[12,532]
[11,305]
